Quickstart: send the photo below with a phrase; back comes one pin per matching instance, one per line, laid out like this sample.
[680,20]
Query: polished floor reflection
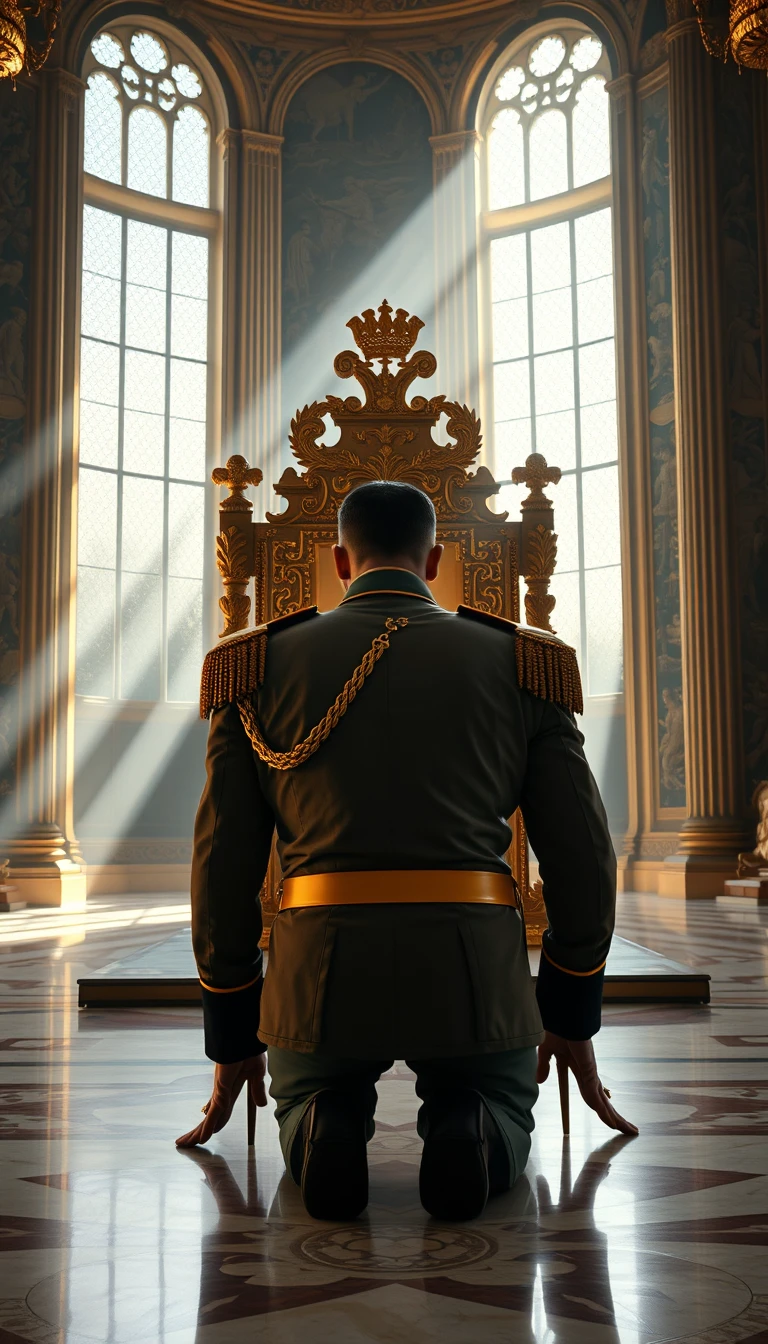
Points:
[107,1234]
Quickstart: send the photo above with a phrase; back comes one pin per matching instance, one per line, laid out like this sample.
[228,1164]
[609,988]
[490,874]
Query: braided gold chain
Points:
[288,760]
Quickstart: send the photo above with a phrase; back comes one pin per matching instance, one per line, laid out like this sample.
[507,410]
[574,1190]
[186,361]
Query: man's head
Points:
[387,523]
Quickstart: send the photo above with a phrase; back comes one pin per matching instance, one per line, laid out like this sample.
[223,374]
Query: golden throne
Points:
[387,437]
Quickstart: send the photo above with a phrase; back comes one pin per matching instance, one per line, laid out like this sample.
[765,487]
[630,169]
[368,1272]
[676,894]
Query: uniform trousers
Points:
[506,1081]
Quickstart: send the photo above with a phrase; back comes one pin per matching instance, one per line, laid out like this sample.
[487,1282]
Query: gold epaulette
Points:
[546,665]
[235,667]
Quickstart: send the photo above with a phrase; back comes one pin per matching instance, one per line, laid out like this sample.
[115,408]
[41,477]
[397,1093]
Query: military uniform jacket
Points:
[439,748]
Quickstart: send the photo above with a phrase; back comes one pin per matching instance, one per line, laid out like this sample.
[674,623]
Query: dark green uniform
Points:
[439,748]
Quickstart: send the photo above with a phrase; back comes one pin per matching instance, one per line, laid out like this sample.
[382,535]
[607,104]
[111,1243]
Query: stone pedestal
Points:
[714,831]
[753,888]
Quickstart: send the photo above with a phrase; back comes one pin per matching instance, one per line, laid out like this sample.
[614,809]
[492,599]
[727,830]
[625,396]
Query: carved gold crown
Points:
[383,338]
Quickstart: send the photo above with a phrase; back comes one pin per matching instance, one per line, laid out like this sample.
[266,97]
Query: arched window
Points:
[547,230]
[148,228]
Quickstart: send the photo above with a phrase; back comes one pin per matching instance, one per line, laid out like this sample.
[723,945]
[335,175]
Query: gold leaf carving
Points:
[235,611]
[232,554]
[542,553]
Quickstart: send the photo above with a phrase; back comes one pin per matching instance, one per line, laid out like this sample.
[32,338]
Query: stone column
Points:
[634,468]
[252,266]
[46,865]
[455,224]
[715,828]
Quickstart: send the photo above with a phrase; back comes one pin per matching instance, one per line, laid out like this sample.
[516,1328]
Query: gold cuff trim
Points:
[581,974]
[399,886]
[235,990]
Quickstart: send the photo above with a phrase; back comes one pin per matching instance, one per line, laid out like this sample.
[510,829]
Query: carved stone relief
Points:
[654,173]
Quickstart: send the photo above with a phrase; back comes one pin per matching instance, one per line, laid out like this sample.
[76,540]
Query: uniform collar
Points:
[384,580]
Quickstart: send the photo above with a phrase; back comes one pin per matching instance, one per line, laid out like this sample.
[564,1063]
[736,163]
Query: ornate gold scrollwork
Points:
[386,437]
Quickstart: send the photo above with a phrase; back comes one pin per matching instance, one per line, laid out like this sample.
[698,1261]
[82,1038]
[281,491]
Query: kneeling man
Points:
[387,743]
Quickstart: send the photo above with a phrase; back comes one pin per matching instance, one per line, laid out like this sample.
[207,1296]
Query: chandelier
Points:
[17,50]
[735,28]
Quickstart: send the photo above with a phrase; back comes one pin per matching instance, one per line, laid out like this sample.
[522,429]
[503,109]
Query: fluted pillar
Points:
[252,269]
[46,865]
[634,467]
[714,829]
[455,216]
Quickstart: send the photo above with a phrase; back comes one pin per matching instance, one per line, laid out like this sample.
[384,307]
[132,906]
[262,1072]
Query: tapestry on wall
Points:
[661,413]
[743,328]
[16,114]
[357,228]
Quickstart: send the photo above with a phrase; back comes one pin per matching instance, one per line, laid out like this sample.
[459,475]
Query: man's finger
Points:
[258,1092]
[542,1067]
[215,1119]
[611,1117]
[598,1102]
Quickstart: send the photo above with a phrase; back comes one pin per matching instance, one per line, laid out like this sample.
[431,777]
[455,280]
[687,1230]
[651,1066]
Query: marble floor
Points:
[108,1234]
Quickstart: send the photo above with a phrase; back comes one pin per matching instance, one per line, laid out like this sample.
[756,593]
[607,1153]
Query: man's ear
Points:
[433,562]
[341,561]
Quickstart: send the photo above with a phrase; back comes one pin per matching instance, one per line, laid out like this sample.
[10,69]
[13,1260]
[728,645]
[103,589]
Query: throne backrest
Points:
[385,436]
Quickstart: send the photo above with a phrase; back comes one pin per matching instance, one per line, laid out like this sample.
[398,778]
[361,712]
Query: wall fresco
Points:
[357,165]
[16,123]
[743,330]
[654,170]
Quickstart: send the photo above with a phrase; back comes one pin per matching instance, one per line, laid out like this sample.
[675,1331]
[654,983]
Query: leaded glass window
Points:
[144,411]
[550,290]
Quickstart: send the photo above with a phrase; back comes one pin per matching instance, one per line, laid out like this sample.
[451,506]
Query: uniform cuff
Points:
[231,1022]
[570,1002]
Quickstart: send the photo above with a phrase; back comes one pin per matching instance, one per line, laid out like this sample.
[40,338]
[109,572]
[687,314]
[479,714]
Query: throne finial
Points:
[237,476]
[382,338]
[536,474]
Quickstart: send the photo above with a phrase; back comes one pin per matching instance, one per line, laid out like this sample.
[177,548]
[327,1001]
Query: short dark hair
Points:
[387,518]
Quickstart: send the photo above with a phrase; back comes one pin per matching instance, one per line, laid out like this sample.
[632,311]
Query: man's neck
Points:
[399,562]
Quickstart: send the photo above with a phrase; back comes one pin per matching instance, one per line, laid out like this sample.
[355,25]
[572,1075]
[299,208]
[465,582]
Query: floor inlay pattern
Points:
[109,1236]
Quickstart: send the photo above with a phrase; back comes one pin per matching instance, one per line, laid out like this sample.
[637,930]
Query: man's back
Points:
[426,765]
[420,774]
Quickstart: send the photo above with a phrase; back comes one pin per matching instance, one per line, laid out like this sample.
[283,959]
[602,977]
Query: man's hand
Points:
[228,1083]
[580,1059]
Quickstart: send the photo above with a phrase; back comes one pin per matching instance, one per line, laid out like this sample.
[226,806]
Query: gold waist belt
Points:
[398,886]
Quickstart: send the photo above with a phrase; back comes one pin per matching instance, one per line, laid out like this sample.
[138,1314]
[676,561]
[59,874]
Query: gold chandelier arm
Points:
[713,29]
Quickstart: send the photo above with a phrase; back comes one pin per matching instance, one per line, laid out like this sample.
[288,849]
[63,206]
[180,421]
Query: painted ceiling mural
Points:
[357,167]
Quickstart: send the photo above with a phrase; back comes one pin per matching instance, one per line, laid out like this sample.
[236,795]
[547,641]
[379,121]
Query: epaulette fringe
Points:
[548,669]
[546,665]
[233,670]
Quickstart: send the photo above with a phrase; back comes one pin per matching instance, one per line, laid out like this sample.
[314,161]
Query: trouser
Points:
[506,1082]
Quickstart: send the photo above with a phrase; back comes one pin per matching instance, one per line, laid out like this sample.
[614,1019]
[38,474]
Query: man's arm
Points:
[568,830]
[233,837]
